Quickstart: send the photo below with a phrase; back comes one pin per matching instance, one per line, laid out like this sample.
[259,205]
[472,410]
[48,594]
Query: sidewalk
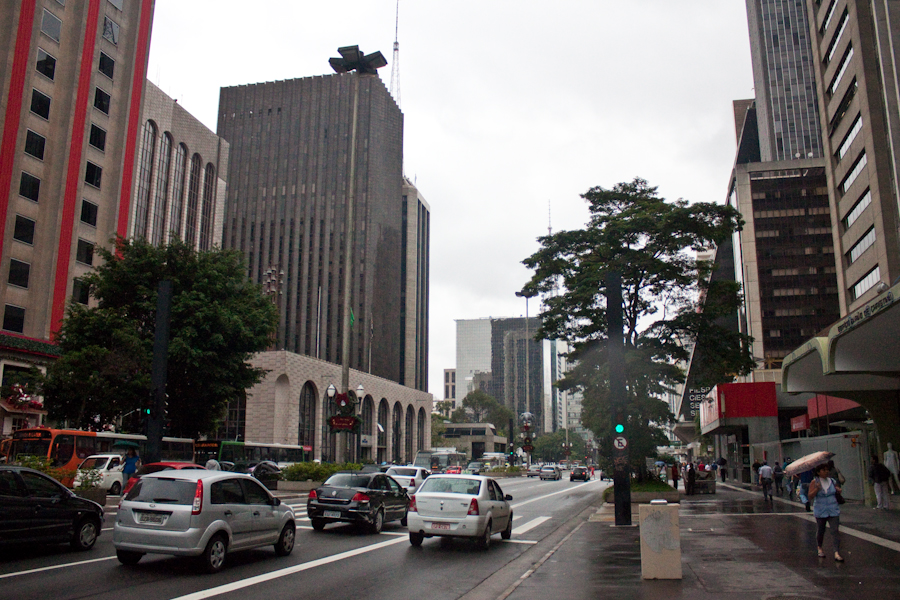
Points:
[734,545]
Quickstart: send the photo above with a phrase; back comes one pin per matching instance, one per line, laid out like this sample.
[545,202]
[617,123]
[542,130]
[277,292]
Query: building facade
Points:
[285,210]
[414,299]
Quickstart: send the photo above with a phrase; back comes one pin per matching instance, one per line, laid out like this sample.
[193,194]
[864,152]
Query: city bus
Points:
[437,461]
[246,453]
[66,448]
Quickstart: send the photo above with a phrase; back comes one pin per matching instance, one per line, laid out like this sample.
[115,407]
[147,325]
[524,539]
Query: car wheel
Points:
[484,541]
[213,557]
[404,521]
[507,533]
[128,558]
[286,540]
[115,489]
[378,522]
[318,524]
[416,538]
[86,532]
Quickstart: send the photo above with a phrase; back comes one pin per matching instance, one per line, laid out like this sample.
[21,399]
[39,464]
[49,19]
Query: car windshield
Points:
[474,465]
[93,463]
[451,485]
[402,472]
[348,480]
[163,491]
[549,469]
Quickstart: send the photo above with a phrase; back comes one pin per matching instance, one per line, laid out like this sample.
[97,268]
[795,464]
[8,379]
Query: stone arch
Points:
[306,426]
[397,434]
[384,421]
[329,439]
[367,416]
[409,428]
[420,431]
[281,433]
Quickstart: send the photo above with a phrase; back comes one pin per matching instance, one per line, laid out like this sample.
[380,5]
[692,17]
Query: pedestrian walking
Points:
[778,473]
[766,478]
[675,474]
[879,476]
[689,479]
[755,466]
[132,462]
[823,492]
[722,464]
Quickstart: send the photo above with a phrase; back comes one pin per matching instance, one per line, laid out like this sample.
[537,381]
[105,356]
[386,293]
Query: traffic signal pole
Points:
[618,399]
[158,402]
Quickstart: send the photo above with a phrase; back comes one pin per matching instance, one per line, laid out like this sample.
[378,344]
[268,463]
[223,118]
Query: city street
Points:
[341,562]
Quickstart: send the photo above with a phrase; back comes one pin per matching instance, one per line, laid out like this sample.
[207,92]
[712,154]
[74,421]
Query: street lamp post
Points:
[527,296]
[360,394]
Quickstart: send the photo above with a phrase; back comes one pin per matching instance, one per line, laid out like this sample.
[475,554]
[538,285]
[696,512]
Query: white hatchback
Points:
[469,506]
[409,477]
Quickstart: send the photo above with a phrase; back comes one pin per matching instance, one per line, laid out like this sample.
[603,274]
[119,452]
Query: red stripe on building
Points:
[134,116]
[74,172]
[12,119]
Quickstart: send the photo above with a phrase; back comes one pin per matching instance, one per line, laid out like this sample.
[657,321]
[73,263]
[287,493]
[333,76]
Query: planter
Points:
[97,494]
[298,486]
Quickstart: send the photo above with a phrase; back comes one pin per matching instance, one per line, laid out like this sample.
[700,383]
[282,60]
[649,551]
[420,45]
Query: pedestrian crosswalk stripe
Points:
[529,525]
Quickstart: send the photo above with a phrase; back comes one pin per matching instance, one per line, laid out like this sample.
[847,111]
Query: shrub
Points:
[89,479]
[314,471]
[42,464]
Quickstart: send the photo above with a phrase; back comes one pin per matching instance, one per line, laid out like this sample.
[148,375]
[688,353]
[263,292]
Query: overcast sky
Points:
[512,110]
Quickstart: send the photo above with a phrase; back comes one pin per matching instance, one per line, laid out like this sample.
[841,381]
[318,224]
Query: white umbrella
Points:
[808,462]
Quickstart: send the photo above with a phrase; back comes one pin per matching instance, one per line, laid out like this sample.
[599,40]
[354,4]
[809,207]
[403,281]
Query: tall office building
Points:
[856,64]
[517,369]
[285,209]
[72,79]
[473,353]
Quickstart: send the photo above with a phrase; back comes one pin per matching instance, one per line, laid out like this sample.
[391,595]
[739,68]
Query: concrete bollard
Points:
[660,541]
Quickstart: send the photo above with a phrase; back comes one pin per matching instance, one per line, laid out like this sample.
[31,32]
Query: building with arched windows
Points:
[180,177]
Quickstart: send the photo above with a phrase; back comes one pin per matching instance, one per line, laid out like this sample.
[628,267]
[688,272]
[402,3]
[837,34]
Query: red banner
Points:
[342,423]
[800,423]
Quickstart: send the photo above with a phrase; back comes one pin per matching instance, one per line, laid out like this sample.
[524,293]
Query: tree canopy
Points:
[551,447]
[480,407]
[218,320]
[651,243]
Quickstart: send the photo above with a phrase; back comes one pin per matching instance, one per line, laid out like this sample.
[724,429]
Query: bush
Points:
[43,465]
[314,471]
[508,470]
[89,479]
[649,485]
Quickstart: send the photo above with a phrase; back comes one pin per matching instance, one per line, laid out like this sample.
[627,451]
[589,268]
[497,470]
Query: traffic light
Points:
[620,428]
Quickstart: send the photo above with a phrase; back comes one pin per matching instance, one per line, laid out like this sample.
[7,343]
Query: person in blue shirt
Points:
[823,494]
[132,462]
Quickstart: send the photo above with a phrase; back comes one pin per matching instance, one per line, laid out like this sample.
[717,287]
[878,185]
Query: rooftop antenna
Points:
[395,64]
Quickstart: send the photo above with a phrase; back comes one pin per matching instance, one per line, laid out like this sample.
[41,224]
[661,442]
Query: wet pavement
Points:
[734,545]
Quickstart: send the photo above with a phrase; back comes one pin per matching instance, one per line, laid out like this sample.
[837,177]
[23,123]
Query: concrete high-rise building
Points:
[473,353]
[450,385]
[517,378]
[286,200]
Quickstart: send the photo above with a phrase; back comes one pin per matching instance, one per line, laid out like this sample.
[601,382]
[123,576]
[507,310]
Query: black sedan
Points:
[582,473]
[369,499]
[37,508]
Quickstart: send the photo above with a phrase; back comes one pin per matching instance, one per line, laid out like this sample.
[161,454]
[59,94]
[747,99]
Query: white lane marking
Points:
[563,491]
[531,542]
[42,569]
[237,585]
[529,525]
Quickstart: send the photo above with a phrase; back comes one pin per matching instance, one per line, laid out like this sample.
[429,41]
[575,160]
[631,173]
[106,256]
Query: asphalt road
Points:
[340,562]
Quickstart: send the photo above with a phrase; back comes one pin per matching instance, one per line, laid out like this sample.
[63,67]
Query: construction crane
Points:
[395,64]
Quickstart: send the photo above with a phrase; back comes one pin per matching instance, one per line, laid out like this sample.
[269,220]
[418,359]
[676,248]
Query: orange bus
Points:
[66,448]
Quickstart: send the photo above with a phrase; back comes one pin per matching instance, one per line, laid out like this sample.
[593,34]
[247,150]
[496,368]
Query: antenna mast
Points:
[395,65]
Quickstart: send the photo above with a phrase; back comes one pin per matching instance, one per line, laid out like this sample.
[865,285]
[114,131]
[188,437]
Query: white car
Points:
[468,506]
[109,467]
[549,472]
[409,477]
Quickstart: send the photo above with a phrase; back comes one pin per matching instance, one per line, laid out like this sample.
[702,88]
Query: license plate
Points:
[152,518]
[440,525]
[332,514]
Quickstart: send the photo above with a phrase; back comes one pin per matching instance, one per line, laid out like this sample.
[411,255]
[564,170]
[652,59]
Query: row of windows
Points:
[855,171]
[858,208]
[828,16]
[791,212]
[868,280]
[851,135]
[795,312]
[865,242]
[845,62]
[770,233]
[795,292]
[832,48]
[51,25]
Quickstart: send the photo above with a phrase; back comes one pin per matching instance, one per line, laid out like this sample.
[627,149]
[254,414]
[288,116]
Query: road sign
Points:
[620,442]
[527,448]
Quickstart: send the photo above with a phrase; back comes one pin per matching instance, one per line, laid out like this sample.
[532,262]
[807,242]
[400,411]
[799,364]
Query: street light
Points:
[351,60]
[527,296]
[331,391]
[360,394]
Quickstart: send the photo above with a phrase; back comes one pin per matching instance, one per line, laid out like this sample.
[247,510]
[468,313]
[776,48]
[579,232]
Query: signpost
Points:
[618,399]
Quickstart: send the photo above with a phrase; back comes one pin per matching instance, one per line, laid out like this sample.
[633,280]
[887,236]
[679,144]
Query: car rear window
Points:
[402,472]
[163,491]
[451,485]
[348,480]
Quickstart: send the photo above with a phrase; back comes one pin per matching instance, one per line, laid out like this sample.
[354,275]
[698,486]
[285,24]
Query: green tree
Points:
[437,431]
[444,407]
[550,447]
[651,243]
[218,320]
[480,407]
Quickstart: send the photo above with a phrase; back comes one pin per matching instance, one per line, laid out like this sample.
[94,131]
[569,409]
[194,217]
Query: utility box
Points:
[660,541]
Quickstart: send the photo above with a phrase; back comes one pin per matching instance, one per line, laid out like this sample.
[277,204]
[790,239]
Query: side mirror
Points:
[507,497]
[276,501]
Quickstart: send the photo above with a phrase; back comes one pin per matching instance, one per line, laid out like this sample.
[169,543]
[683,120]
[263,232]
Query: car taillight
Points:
[313,495]
[360,497]
[412,505]
[473,508]
[412,483]
[198,499]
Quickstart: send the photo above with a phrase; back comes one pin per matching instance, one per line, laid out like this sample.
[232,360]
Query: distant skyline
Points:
[512,110]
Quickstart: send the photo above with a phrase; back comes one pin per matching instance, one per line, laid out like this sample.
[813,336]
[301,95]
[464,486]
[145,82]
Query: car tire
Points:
[507,533]
[484,540]
[129,558]
[405,521]
[377,522]
[318,524]
[416,538]
[213,558]
[286,540]
[86,533]
[115,489]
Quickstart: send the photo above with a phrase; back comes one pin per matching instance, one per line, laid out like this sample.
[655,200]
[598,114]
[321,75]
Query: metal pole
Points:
[527,370]
[158,373]
[618,402]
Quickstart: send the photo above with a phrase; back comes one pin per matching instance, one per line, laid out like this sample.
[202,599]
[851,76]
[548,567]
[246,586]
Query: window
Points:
[828,16]
[40,104]
[226,492]
[110,30]
[209,206]
[851,135]
[858,208]
[837,37]
[845,62]
[93,174]
[854,173]
[51,26]
[81,292]
[859,288]
[24,230]
[46,64]
[29,186]
[861,246]
[34,144]
[41,486]
[117,3]
[18,273]
[14,319]
[254,493]
[145,173]
[178,190]
[102,100]
[190,233]
[161,200]
[98,137]
[89,213]
[107,65]
[85,252]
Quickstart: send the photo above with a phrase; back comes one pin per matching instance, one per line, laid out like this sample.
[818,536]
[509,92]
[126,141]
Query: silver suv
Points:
[200,513]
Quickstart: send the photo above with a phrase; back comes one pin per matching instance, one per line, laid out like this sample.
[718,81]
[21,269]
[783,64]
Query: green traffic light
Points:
[620,428]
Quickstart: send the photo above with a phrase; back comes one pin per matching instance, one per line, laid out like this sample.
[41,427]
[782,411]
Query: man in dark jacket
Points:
[879,475]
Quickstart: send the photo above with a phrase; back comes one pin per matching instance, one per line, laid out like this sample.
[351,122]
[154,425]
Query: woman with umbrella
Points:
[823,492]
[132,462]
